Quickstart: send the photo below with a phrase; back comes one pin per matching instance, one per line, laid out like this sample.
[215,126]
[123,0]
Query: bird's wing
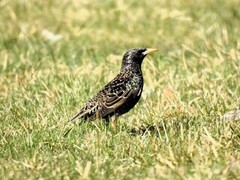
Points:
[118,94]
[113,101]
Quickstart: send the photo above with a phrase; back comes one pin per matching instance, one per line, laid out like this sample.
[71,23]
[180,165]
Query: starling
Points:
[122,93]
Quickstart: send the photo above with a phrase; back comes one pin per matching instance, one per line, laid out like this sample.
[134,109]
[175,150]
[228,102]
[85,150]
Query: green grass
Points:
[189,84]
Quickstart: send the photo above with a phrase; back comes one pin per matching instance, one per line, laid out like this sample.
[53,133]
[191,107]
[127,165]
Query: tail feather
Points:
[69,129]
[78,115]
[67,132]
[87,112]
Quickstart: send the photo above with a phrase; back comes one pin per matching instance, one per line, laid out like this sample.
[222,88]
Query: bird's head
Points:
[135,56]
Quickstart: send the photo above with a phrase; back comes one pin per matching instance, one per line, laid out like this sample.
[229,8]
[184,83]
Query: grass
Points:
[189,85]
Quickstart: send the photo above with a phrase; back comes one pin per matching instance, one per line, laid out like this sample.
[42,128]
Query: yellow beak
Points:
[149,50]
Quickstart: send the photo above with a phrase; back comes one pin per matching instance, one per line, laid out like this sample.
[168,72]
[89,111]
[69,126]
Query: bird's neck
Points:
[136,68]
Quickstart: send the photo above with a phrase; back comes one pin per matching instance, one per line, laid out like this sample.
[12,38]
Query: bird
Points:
[121,94]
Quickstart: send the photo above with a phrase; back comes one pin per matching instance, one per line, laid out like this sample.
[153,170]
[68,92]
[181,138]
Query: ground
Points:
[55,55]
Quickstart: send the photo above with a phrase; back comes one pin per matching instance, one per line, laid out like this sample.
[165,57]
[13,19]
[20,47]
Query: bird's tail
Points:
[83,115]
[67,131]
[69,127]
[75,117]
[70,124]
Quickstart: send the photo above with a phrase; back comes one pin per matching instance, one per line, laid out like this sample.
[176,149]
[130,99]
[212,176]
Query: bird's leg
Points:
[114,122]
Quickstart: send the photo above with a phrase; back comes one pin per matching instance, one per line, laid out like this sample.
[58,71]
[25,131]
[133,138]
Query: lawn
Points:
[55,55]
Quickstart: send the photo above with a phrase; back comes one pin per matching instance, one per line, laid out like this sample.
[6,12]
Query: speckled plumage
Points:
[122,93]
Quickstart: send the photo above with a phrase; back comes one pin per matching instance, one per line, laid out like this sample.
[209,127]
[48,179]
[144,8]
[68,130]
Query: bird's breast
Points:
[135,82]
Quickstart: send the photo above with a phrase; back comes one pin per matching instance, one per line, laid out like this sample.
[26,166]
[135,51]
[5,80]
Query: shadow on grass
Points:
[146,129]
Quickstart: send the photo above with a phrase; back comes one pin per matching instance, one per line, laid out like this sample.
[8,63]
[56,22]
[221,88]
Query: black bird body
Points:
[122,93]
